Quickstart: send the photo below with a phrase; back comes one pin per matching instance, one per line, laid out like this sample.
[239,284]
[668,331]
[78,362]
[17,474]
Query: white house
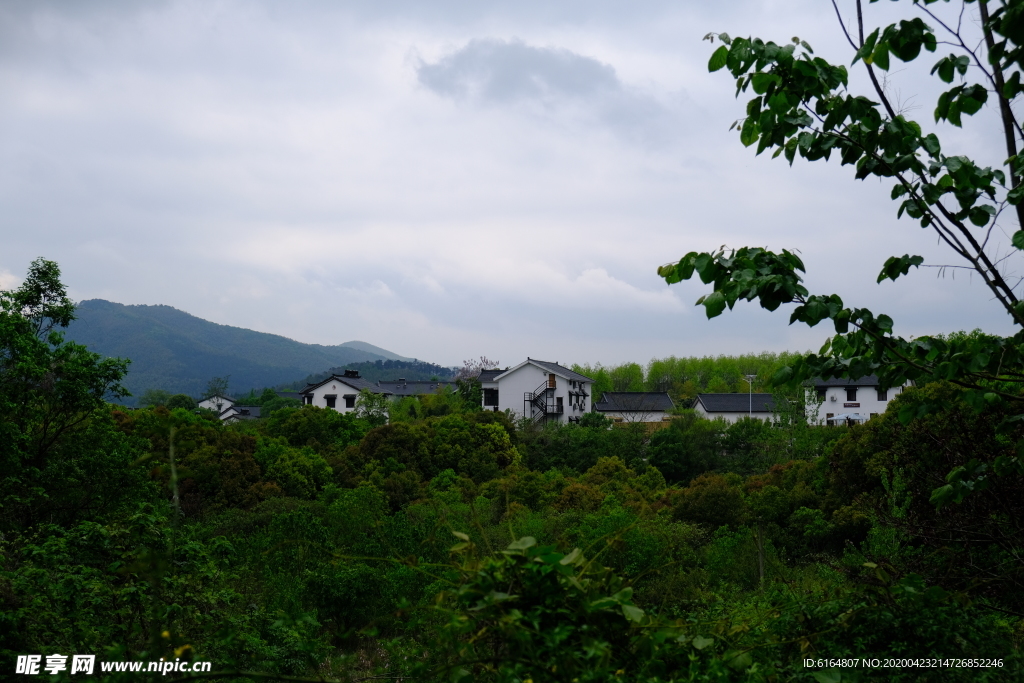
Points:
[732,407]
[239,413]
[217,403]
[835,401]
[539,390]
[636,406]
[338,392]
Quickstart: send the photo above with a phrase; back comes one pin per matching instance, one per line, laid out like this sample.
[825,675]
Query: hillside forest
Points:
[438,542]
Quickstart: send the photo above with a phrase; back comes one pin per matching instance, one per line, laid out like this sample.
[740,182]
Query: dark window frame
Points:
[490,397]
[331,400]
[350,400]
[851,394]
[883,395]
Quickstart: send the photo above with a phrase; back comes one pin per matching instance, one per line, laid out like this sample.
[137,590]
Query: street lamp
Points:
[750,394]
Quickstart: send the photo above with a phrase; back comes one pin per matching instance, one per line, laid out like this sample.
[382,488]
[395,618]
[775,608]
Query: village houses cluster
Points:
[545,391]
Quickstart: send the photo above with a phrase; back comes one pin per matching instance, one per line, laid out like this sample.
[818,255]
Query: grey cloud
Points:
[498,72]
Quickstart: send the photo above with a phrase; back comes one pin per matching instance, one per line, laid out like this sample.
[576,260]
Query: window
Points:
[828,419]
[851,393]
[490,397]
[308,400]
[350,400]
[883,395]
[558,403]
[821,394]
[331,399]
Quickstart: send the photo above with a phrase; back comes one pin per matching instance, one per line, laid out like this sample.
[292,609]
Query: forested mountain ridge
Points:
[178,352]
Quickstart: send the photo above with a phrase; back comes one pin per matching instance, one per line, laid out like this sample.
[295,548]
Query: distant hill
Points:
[387,370]
[370,348]
[179,353]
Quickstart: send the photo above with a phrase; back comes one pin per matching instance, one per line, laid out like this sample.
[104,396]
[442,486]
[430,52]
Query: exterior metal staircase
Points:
[540,403]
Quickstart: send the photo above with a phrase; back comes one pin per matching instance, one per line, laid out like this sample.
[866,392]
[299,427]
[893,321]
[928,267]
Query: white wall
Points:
[340,390]
[636,415]
[218,404]
[730,416]
[527,378]
[836,403]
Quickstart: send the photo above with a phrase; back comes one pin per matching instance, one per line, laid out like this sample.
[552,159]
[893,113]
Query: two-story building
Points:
[539,390]
[338,392]
[839,401]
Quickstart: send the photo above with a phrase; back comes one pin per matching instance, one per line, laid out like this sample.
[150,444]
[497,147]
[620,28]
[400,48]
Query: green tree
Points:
[151,398]
[50,389]
[373,407]
[181,401]
[801,106]
[217,386]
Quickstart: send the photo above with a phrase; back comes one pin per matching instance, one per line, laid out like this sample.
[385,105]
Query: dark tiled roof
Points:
[636,401]
[560,370]
[413,387]
[737,403]
[357,383]
[869,381]
[489,375]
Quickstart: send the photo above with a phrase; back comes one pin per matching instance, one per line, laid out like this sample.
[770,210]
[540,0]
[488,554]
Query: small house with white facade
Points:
[846,401]
[338,392]
[217,403]
[636,406]
[732,407]
[539,390]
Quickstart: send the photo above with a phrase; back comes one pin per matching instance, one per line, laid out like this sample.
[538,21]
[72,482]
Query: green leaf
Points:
[700,642]
[523,543]
[761,81]
[718,58]
[749,132]
[981,215]
[459,535]
[1018,239]
[828,676]
[714,304]
[633,613]
[880,57]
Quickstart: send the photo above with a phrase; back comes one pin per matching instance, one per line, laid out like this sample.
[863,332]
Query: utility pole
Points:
[750,394]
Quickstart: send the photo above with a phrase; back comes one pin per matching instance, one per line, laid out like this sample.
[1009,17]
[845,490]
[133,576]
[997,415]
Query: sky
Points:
[447,179]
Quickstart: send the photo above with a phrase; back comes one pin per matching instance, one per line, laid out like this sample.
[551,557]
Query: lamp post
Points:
[750,394]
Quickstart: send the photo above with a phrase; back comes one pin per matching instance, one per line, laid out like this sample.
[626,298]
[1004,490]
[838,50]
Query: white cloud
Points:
[410,174]
[8,280]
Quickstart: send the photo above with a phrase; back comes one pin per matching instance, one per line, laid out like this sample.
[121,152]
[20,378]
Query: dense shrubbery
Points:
[443,546]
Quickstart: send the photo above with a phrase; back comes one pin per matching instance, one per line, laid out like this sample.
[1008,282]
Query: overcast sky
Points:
[444,179]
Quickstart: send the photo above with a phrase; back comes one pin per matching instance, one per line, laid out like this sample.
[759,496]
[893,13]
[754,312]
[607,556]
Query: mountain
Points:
[180,353]
[370,348]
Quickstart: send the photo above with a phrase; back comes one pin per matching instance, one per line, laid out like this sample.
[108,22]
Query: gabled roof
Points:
[635,401]
[216,396]
[357,383]
[413,387]
[489,375]
[869,381]
[548,366]
[737,403]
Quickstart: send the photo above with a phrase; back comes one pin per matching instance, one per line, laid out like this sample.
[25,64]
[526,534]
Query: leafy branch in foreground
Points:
[802,107]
